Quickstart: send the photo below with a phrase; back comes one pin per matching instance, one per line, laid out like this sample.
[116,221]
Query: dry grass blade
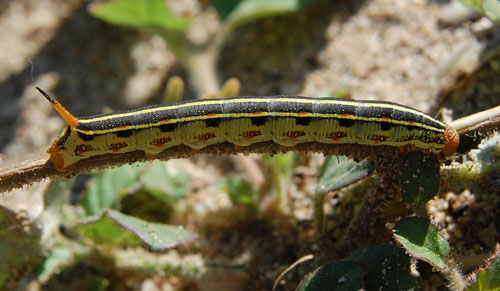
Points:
[289,268]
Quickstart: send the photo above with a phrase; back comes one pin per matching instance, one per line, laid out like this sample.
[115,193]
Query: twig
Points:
[27,173]
[481,121]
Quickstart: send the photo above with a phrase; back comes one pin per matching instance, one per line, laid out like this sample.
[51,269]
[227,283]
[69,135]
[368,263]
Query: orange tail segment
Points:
[68,117]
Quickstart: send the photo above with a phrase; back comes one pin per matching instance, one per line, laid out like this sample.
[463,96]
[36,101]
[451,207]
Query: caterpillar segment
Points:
[242,121]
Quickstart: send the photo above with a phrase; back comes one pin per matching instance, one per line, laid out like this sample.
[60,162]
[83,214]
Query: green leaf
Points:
[282,166]
[157,177]
[115,228]
[225,8]
[241,11]
[339,171]
[148,204]
[162,187]
[342,275]
[52,263]
[420,178]
[474,4]
[239,191]
[19,246]
[149,14]
[421,240]
[487,278]
[491,8]
[230,88]
[174,90]
[389,268]
[319,214]
[105,187]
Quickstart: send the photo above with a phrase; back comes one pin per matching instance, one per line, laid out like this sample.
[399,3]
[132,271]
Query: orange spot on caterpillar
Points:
[378,138]
[385,118]
[165,121]
[347,116]
[257,113]
[159,142]
[212,114]
[117,146]
[82,148]
[122,127]
[284,147]
[239,147]
[295,134]
[338,135]
[65,114]
[195,150]
[402,149]
[302,113]
[411,122]
[206,136]
[251,134]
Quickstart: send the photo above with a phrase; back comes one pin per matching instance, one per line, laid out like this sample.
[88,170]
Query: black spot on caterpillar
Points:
[124,133]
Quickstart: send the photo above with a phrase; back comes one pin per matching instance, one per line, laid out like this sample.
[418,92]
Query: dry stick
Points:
[481,121]
[29,172]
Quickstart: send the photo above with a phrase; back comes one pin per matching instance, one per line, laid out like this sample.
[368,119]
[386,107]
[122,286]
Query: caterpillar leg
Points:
[58,161]
[150,156]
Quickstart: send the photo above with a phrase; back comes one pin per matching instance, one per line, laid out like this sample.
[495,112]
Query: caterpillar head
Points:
[452,139]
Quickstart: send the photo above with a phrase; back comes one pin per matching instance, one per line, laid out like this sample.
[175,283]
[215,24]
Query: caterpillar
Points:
[242,121]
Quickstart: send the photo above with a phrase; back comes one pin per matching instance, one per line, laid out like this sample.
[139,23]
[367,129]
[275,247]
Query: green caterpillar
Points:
[285,120]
